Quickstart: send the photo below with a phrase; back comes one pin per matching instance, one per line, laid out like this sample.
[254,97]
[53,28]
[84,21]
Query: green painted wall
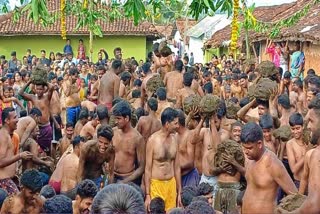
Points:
[131,45]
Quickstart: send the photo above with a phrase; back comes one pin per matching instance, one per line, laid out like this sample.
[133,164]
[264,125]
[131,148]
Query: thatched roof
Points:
[264,13]
[25,26]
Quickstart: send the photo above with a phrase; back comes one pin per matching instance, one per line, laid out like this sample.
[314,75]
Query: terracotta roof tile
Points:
[27,27]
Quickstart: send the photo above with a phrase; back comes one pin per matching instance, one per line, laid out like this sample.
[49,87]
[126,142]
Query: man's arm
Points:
[148,169]
[295,165]
[179,100]
[111,168]
[122,91]
[304,178]
[116,87]
[23,94]
[177,175]
[141,156]
[66,87]
[244,110]
[50,91]
[35,159]
[31,126]
[82,160]
[196,132]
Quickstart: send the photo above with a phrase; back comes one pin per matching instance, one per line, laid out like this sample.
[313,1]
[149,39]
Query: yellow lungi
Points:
[167,190]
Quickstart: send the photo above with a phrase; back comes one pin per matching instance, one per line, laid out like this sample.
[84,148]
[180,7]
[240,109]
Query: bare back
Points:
[6,150]
[108,88]
[147,125]
[69,172]
[173,82]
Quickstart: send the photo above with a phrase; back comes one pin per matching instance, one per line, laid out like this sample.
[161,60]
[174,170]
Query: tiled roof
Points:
[26,26]
[264,13]
[165,30]
[182,24]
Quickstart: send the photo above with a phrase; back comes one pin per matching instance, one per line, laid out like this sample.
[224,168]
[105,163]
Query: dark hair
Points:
[153,104]
[116,64]
[35,111]
[236,124]
[122,109]
[252,77]
[136,187]
[186,58]
[44,51]
[32,180]
[69,124]
[244,101]
[199,198]
[161,93]
[3,196]
[76,141]
[23,113]
[314,80]
[199,207]
[146,67]
[102,112]
[314,104]
[117,100]
[177,210]
[6,113]
[287,75]
[178,65]
[139,112]
[157,206]
[101,68]
[125,76]
[136,93]
[187,78]
[47,191]
[187,194]
[263,103]
[84,113]
[208,87]
[299,83]
[181,117]
[73,71]
[296,119]
[204,189]
[315,138]
[137,82]
[105,131]
[251,133]
[168,115]
[58,204]
[87,189]
[266,121]
[243,76]
[235,76]
[284,101]
[311,72]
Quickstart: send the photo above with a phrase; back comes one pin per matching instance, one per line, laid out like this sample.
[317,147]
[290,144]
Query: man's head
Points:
[314,82]
[296,124]
[263,107]
[161,93]
[204,189]
[68,41]
[40,90]
[236,131]
[153,104]
[43,53]
[74,74]
[200,207]
[117,53]
[178,65]
[36,114]
[187,194]
[122,114]
[314,114]
[266,123]
[83,116]
[105,135]
[146,68]
[287,78]
[136,93]
[101,70]
[252,140]
[9,118]
[181,118]
[117,66]
[86,191]
[58,204]
[137,83]
[157,206]
[284,102]
[125,77]
[118,198]
[208,88]
[187,79]
[297,85]
[47,191]
[102,112]
[69,130]
[169,120]
[31,183]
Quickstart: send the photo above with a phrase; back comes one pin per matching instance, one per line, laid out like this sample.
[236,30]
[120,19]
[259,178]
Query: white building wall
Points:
[195,45]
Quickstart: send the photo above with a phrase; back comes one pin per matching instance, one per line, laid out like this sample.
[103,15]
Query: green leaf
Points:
[34,6]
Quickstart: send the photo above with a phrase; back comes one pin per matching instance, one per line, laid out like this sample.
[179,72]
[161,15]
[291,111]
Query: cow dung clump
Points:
[39,75]
[209,104]
[292,202]
[230,148]
[190,102]
[154,83]
[263,89]
[283,132]
[232,110]
[267,69]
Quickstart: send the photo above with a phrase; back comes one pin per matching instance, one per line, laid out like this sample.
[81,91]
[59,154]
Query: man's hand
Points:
[147,203]
[229,159]
[179,202]
[26,155]
[193,112]
[50,164]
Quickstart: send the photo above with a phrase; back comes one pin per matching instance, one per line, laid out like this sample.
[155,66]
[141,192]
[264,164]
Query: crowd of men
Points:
[94,139]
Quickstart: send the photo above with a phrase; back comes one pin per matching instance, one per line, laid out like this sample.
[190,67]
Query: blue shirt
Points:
[67,49]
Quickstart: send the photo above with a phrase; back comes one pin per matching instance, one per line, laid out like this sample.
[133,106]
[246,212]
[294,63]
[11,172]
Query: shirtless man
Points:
[89,130]
[186,142]
[31,145]
[7,158]
[296,148]
[146,69]
[83,119]
[28,200]
[163,103]
[66,140]
[103,115]
[311,204]
[173,81]
[236,89]
[266,123]
[147,125]
[185,91]
[165,60]
[101,70]
[124,84]
[284,108]
[41,100]
[71,90]
[129,146]
[70,165]
[111,83]
[236,131]
[94,154]
[264,173]
[86,191]
[301,102]
[91,106]
[162,173]
[27,124]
